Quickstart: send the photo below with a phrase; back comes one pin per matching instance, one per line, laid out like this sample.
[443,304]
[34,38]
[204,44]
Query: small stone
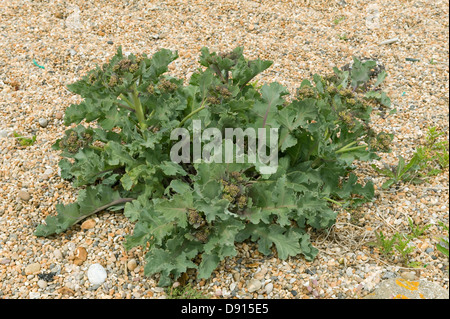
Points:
[88,224]
[259,275]
[132,264]
[4,133]
[110,42]
[43,122]
[269,288]
[158,289]
[232,286]
[24,195]
[389,41]
[294,293]
[5,261]
[429,250]
[57,254]
[59,115]
[409,275]
[389,275]
[175,284]
[72,52]
[42,284]
[32,269]
[35,295]
[96,274]
[349,271]
[218,292]
[80,256]
[254,285]
[236,276]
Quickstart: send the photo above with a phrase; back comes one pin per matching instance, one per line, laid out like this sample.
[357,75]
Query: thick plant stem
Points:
[192,114]
[99,209]
[332,201]
[349,149]
[139,110]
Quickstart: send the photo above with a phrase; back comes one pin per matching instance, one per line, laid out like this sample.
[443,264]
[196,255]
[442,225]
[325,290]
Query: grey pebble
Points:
[58,254]
[72,52]
[254,285]
[43,122]
[429,250]
[4,133]
[5,261]
[389,275]
[349,271]
[269,288]
[110,42]
[42,284]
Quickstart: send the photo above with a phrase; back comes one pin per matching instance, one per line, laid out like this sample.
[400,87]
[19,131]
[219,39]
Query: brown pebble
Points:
[59,115]
[80,256]
[132,264]
[32,269]
[24,195]
[88,224]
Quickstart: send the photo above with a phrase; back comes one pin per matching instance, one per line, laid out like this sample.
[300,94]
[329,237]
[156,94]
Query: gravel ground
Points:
[67,38]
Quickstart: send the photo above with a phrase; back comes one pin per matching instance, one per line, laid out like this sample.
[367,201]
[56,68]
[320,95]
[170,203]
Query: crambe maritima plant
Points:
[191,213]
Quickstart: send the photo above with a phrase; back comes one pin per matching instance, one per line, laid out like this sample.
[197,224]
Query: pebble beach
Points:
[45,45]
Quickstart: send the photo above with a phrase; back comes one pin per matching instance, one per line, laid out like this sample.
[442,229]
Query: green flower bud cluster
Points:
[195,219]
[217,94]
[113,80]
[229,55]
[92,78]
[166,86]
[351,101]
[332,89]
[347,118]
[348,93]
[72,142]
[234,192]
[203,234]
[124,64]
[198,221]
[212,100]
[214,59]
[305,92]
[151,89]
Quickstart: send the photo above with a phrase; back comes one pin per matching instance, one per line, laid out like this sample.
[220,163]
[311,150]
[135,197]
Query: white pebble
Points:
[96,274]
[35,295]
[269,288]
[58,254]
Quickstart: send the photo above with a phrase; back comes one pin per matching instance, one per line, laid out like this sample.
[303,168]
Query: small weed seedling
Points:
[417,231]
[338,20]
[24,141]
[401,173]
[443,245]
[386,245]
[428,160]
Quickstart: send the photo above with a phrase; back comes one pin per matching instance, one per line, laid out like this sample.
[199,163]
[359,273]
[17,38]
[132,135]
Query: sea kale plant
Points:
[117,150]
